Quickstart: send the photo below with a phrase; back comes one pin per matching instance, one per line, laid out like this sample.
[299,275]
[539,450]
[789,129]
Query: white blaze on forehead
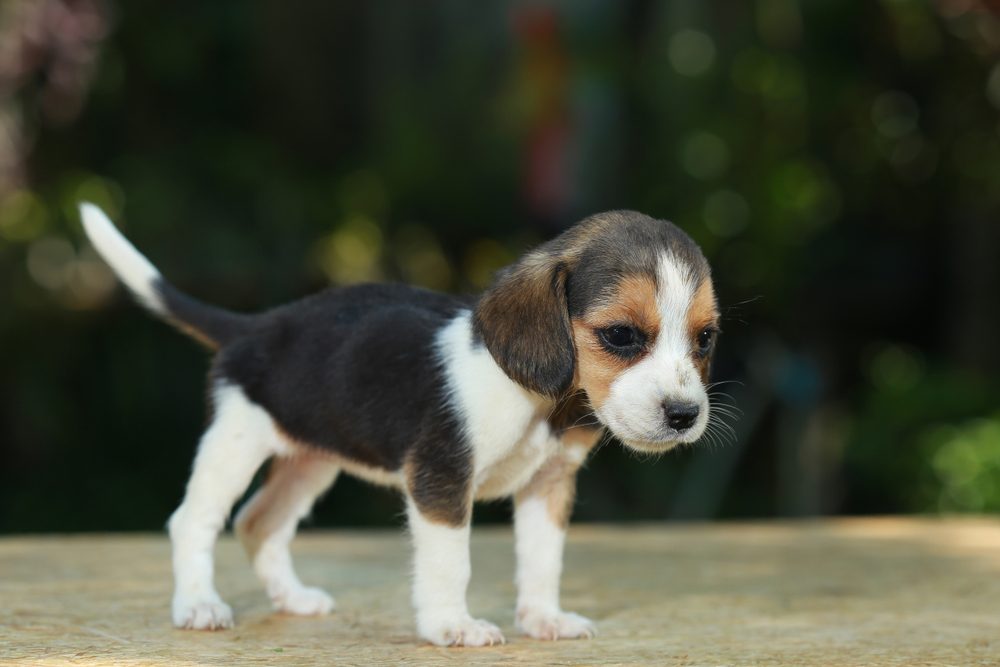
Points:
[674,373]
[674,295]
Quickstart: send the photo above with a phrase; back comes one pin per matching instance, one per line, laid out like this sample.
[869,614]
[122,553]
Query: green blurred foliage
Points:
[837,162]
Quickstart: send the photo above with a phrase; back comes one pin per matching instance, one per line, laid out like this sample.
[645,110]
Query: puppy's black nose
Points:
[680,416]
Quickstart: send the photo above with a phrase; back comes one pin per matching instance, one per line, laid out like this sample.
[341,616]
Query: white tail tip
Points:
[128,263]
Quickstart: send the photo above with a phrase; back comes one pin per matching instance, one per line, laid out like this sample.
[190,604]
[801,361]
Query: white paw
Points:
[554,624]
[205,613]
[304,601]
[463,631]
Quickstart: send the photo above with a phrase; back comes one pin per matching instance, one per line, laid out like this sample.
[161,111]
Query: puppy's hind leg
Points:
[267,523]
[240,438]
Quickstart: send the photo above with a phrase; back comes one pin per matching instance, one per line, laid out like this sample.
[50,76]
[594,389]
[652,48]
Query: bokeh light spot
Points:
[421,259]
[91,281]
[50,262]
[704,155]
[352,253]
[896,368]
[779,22]
[804,192]
[691,52]
[778,80]
[96,190]
[23,216]
[966,461]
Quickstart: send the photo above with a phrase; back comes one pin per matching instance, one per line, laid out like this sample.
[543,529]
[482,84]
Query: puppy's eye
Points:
[705,340]
[621,339]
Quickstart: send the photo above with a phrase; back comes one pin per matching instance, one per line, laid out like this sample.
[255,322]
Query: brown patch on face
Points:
[633,304]
[555,481]
[702,314]
[595,368]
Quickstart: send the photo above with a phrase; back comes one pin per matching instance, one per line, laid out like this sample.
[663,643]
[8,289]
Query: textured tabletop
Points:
[841,592]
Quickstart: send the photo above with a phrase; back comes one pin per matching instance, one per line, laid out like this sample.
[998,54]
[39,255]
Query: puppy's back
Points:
[352,370]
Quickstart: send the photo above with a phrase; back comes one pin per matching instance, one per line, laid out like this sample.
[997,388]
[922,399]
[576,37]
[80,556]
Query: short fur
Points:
[447,399]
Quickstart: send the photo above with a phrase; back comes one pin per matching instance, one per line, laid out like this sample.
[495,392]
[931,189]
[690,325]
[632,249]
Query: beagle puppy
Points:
[609,327]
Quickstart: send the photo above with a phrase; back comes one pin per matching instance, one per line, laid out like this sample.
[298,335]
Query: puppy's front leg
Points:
[541,516]
[441,577]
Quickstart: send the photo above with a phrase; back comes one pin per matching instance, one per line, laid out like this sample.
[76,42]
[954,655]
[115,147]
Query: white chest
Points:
[505,474]
[504,424]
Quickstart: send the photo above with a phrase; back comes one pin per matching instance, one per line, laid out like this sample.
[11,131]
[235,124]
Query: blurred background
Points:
[839,162]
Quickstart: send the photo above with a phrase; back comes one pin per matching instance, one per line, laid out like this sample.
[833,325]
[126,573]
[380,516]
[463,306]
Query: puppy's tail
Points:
[211,326]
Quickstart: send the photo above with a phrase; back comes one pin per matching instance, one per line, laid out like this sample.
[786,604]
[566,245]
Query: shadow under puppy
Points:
[611,325]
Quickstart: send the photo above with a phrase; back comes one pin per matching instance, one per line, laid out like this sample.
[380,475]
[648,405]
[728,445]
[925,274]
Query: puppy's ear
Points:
[524,322]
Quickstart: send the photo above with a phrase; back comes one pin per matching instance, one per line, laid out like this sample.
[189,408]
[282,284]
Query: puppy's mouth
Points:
[650,447]
[659,441]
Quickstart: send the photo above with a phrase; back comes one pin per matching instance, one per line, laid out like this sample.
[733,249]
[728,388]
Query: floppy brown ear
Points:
[524,322]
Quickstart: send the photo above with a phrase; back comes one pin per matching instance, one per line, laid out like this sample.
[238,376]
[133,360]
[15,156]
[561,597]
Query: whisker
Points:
[726,413]
[716,439]
[562,400]
[726,410]
[718,395]
[723,394]
[722,428]
[713,385]
[709,436]
[587,415]
[717,416]
[605,439]
[727,435]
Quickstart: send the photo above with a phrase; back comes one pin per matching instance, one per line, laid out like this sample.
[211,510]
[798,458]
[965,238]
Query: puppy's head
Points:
[620,306]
